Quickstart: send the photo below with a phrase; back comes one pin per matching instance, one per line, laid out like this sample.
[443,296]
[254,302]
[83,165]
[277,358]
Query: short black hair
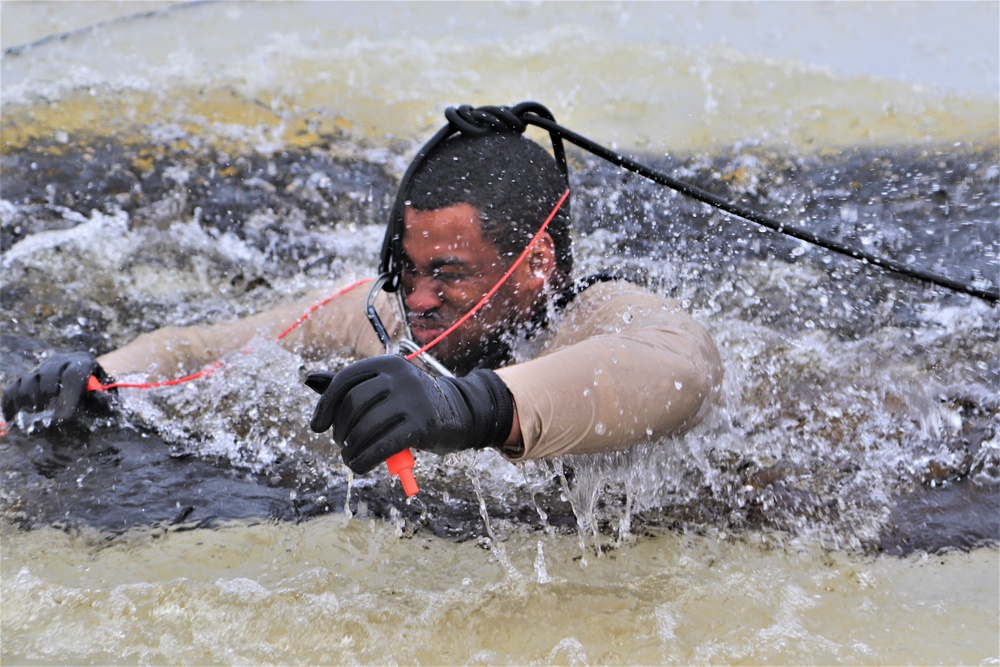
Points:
[510,180]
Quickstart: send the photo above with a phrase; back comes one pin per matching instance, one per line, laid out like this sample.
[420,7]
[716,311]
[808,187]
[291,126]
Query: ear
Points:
[541,261]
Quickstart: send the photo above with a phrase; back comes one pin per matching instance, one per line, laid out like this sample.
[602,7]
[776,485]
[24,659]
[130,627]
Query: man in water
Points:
[546,367]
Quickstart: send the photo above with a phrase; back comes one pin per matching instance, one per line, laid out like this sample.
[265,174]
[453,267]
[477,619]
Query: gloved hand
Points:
[383,405]
[62,379]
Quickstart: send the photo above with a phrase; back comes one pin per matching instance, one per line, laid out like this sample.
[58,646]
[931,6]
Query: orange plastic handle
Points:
[401,465]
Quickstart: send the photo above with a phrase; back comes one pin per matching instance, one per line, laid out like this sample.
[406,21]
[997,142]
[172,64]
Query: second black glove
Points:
[383,405]
[59,383]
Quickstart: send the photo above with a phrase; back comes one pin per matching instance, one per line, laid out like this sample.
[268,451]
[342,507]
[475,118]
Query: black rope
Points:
[482,120]
[66,36]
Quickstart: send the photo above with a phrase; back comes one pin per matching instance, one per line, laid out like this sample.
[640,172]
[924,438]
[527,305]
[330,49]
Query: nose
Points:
[422,294]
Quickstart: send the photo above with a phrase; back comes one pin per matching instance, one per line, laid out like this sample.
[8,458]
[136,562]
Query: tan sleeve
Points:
[625,366]
[339,326]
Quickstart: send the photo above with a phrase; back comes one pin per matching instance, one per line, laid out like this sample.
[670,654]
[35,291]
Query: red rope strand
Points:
[94,385]
[317,306]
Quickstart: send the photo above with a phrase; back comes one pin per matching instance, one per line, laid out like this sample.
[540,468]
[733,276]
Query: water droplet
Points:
[627,317]
[599,428]
[541,571]
[679,385]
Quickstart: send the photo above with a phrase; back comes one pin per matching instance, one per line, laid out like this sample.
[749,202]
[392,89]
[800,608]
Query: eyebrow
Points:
[442,262]
[449,262]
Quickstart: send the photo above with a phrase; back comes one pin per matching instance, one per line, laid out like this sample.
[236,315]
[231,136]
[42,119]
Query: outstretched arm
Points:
[63,380]
[172,351]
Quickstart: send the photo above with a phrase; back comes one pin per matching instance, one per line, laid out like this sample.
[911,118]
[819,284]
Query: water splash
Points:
[496,546]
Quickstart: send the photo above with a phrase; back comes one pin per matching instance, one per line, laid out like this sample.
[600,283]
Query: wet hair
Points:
[510,180]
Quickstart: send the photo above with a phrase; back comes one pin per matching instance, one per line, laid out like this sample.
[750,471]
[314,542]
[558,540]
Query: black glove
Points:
[383,405]
[62,378]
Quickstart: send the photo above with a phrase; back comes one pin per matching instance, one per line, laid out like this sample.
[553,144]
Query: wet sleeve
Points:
[338,327]
[626,366]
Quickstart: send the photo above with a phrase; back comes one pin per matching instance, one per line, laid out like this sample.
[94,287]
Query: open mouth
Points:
[424,331]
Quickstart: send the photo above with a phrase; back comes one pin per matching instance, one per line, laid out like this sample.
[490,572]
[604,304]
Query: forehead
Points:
[450,232]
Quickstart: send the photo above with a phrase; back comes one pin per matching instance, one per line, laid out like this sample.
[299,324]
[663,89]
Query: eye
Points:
[449,276]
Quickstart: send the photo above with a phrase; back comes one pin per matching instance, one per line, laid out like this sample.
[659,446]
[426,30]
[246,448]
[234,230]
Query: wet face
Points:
[448,267]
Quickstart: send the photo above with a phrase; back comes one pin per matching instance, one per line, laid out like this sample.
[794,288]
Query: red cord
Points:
[94,385]
[317,306]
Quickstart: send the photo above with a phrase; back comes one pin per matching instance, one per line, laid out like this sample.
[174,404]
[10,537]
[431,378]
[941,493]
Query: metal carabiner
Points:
[372,314]
[406,346]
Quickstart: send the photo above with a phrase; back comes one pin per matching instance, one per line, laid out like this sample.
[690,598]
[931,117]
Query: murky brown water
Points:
[338,591]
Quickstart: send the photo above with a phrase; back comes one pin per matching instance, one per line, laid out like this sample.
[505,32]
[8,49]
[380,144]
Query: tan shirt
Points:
[618,366]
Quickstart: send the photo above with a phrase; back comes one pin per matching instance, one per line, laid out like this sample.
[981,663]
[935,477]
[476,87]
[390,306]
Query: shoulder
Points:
[613,305]
[605,291]
[625,310]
